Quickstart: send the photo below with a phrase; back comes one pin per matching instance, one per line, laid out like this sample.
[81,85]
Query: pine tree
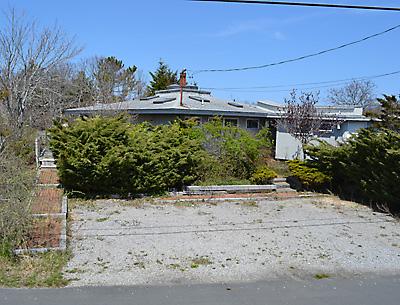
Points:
[161,78]
[390,113]
[114,82]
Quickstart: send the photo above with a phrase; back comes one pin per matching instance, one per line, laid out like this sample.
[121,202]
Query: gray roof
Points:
[200,102]
[195,102]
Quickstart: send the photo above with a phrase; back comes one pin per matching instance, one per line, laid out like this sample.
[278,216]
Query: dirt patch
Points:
[45,233]
[48,176]
[47,200]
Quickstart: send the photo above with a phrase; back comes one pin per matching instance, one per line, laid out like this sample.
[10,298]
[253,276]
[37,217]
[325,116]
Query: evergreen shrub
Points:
[109,155]
[366,168]
[263,175]
[310,177]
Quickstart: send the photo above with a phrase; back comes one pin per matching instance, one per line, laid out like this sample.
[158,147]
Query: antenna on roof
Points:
[182,83]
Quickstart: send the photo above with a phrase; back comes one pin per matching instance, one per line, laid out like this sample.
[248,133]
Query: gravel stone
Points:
[152,244]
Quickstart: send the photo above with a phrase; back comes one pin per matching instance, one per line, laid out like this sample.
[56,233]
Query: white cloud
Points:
[240,28]
[269,25]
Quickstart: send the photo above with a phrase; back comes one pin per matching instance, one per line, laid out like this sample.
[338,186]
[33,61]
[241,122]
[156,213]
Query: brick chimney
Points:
[182,83]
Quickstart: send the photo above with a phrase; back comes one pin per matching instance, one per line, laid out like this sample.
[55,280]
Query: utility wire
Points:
[261,228]
[324,83]
[300,57]
[290,3]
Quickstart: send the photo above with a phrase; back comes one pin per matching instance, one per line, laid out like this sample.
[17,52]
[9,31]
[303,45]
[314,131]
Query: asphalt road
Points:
[371,291]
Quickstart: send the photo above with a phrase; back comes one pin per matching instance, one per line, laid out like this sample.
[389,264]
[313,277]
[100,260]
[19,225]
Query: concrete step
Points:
[231,188]
[285,190]
[282,185]
[275,180]
[47,163]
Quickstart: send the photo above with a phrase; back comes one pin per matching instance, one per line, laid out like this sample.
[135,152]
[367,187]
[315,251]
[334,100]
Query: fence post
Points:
[37,151]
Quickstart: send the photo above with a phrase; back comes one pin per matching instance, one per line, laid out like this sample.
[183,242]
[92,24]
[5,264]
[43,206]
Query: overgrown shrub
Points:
[233,151]
[310,177]
[366,168]
[263,175]
[16,183]
[108,155]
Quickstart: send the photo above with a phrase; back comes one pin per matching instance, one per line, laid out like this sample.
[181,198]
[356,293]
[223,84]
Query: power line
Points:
[331,83]
[290,3]
[214,230]
[300,57]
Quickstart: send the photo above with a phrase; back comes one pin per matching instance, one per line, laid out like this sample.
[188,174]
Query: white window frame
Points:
[258,124]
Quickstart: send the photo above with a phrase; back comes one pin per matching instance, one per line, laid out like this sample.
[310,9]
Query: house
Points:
[186,102]
[349,120]
[189,101]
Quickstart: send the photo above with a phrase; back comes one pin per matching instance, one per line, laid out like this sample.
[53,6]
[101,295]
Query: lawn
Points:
[39,270]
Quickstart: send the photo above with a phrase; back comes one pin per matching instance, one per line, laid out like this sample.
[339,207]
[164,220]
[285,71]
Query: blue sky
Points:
[197,35]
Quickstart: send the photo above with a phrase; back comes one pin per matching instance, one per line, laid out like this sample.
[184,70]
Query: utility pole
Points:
[182,83]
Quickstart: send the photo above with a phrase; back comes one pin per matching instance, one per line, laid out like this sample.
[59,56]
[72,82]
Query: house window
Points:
[195,119]
[326,127]
[231,122]
[252,124]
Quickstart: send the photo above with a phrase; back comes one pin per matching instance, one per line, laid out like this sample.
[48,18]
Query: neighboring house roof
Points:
[348,113]
[199,102]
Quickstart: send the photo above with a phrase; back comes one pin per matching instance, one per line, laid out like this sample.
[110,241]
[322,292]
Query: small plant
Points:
[40,270]
[201,261]
[251,203]
[321,276]
[310,177]
[263,175]
[103,219]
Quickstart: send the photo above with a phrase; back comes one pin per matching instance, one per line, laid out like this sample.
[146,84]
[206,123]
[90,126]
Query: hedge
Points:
[366,168]
[109,155]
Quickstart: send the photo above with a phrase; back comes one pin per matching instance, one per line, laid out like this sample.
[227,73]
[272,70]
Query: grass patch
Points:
[77,202]
[279,167]
[38,270]
[196,262]
[249,203]
[186,204]
[174,266]
[321,276]
[102,219]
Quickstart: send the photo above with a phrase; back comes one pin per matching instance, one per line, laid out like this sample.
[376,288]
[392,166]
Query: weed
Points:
[102,219]
[74,270]
[200,261]
[251,203]
[79,202]
[174,266]
[40,270]
[320,276]
[139,265]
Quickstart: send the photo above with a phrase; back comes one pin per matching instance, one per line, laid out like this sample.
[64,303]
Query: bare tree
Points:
[64,89]
[113,82]
[141,81]
[357,92]
[303,120]
[27,54]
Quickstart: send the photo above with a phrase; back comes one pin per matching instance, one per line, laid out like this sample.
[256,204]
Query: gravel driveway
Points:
[128,243]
